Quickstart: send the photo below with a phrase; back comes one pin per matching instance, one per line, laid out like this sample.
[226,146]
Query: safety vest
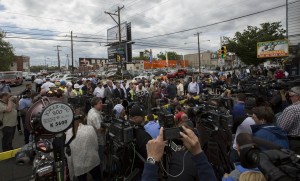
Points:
[63,89]
[132,95]
[77,93]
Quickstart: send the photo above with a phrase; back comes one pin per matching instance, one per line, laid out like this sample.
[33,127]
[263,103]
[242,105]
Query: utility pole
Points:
[68,62]
[72,56]
[199,56]
[287,18]
[58,57]
[119,27]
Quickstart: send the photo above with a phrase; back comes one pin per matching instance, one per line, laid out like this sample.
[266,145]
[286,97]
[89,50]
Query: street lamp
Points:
[46,58]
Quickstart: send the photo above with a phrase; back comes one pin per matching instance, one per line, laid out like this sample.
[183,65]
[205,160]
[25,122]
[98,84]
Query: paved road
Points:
[9,171]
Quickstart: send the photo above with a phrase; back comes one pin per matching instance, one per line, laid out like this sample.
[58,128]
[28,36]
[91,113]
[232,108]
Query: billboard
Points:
[115,50]
[113,33]
[268,49]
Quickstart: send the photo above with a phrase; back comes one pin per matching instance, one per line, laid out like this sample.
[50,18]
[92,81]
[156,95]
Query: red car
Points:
[177,73]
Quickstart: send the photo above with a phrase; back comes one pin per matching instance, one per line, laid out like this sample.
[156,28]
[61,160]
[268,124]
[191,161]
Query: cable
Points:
[181,170]
[133,158]
[212,24]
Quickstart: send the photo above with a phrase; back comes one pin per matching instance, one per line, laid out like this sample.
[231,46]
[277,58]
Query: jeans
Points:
[8,136]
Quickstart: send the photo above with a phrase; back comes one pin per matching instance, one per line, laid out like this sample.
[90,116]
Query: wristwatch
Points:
[151,160]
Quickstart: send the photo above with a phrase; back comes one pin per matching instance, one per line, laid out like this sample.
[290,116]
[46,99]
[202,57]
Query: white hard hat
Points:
[69,84]
[52,85]
[76,86]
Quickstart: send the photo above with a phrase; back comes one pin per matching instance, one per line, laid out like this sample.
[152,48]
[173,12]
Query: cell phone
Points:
[172,133]
[173,146]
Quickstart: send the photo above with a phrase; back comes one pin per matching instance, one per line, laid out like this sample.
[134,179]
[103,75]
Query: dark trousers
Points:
[26,132]
[295,146]
[8,136]
[95,172]
[19,123]
[38,88]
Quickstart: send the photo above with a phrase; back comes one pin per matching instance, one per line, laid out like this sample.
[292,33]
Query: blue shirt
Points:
[152,128]
[25,103]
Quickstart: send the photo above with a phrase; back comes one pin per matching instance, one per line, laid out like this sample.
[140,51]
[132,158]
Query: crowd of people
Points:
[275,120]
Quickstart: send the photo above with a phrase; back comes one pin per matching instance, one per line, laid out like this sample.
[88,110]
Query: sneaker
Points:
[20,132]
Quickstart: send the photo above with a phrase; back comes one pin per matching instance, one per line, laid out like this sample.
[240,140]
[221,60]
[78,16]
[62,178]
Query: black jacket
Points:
[119,94]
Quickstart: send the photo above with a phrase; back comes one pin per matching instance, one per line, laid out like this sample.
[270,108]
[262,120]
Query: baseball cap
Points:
[137,111]
[295,90]
[118,109]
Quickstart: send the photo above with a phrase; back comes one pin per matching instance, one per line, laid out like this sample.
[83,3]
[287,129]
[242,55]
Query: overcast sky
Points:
[54,20]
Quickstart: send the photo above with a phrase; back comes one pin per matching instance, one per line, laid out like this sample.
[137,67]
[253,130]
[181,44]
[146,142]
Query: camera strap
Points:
[247,146]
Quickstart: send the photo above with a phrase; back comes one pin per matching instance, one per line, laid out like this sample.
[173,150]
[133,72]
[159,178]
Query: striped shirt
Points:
[289,120]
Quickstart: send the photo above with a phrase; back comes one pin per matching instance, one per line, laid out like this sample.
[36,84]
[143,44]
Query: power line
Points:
[45,18]
[212,24]
[28,38]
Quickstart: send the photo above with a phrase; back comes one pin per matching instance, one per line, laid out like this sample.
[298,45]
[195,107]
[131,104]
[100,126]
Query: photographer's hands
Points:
[190,141]
[155,147]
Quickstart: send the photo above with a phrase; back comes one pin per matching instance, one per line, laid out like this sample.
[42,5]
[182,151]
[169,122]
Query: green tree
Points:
[171,56]
[6,53]
[244,43]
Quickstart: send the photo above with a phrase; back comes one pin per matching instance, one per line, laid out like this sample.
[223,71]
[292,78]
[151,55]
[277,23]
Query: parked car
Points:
[29,76]
[177,73]
[145,76]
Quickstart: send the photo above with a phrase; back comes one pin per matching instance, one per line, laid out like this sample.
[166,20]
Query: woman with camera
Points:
[8,119]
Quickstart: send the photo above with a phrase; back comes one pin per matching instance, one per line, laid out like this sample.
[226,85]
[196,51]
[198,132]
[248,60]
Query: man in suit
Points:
[108,91]
[119,92]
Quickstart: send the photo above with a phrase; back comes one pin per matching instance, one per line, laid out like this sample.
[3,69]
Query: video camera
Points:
[165,118]
[276,164]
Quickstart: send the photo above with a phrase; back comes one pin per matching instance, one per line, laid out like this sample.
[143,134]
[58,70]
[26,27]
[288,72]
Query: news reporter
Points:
[155,150]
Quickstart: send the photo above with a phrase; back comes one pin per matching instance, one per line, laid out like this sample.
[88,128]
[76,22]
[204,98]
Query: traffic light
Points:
[223,52]
[118,58]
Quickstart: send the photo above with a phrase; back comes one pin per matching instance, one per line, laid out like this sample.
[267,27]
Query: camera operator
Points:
[137,116]
[289,119]
[84,156]
[239,169]
[155,150]
[278,101]
[95,118]
[119,112]
[243,127]
[8,119]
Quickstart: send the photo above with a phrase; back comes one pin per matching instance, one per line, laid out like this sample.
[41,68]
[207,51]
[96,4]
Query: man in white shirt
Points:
[193,87]
[94,118]
[38,83]
[46,85]
[99,90]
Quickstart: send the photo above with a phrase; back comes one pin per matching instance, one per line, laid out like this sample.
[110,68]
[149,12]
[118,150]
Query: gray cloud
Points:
[148,18]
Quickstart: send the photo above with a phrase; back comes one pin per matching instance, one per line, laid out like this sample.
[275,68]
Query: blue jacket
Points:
[238,110]
[271,133]
[205,171]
